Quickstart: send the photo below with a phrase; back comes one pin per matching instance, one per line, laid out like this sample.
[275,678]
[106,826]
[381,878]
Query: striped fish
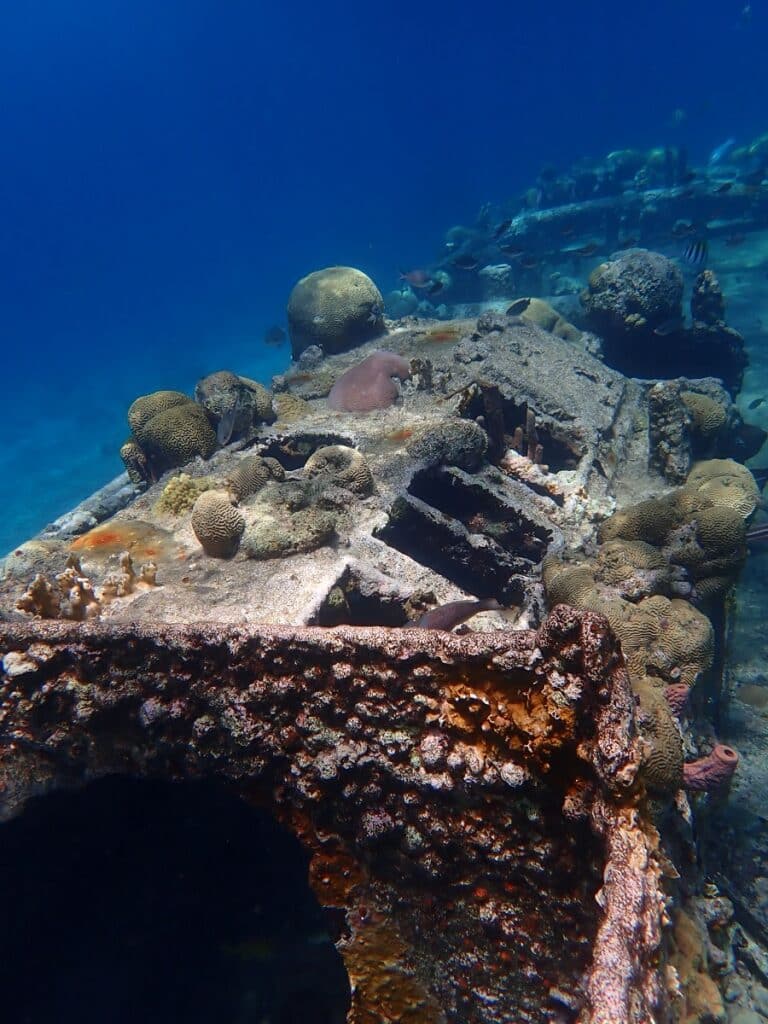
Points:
[696,252]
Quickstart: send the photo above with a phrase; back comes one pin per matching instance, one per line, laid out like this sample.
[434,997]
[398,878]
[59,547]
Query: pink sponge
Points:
[369,385]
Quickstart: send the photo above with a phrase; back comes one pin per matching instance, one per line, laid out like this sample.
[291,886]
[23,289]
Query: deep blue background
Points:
[169,169]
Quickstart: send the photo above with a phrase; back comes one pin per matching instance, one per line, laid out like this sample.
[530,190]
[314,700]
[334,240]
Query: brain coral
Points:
[135,462]
[662,768]
[336,308]
[708,415]
[233,403]
[456,442]
[340,465]
[369,384]
[147,406]
[251,474]
[724,482]
[176,436]
[217,524]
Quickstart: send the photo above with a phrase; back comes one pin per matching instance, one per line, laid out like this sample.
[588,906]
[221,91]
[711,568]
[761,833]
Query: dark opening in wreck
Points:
[157,901]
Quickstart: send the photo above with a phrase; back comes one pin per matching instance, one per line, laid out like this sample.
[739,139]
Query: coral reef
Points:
[217,524]
[468,804]
[369,384]
[336,308]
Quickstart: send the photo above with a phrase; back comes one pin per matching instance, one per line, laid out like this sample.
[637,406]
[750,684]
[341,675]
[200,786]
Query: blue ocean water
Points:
[170,170]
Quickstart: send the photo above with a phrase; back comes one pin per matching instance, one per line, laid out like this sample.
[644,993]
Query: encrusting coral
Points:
[341,466]
[369,384]
[181,492]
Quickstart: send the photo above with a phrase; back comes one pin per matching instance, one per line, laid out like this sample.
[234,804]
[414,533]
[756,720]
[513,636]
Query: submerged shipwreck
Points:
[499,821]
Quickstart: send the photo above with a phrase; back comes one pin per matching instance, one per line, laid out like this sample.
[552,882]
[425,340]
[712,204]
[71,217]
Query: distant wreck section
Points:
[471,803]
[490,814]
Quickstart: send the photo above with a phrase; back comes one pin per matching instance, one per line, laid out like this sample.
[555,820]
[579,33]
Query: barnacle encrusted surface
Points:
[421,771]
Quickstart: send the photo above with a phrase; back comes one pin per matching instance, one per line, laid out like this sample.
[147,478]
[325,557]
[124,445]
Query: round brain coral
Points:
[708,415]
[176,436]
[342,466]
[147,406]
[335,308]
[217,524]
[455,442]
[724,482]
[251,474]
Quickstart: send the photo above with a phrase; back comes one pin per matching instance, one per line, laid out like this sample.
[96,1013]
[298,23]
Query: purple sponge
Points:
[369,385]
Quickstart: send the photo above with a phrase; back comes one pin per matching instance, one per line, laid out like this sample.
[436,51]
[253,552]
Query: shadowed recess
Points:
[161,902]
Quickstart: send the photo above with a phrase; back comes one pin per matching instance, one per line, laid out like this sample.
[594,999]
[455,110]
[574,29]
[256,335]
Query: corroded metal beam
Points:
[470,803]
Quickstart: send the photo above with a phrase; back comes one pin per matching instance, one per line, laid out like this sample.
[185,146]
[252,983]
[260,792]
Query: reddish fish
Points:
[416,278]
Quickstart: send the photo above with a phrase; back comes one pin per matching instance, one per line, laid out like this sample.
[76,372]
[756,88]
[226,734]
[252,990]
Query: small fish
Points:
[628,243]
[499,231]
[568,231]
[435,287]
[514,252]
[719,153]
[518,307]
[375,314]
[275,336]
[756,402]
[688,177]
[528,261]
[447,616]
[416,278]
[465,261]
[725,186]
[733,240]
[696,252]
[443,334]
[671,326]
[588,249]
